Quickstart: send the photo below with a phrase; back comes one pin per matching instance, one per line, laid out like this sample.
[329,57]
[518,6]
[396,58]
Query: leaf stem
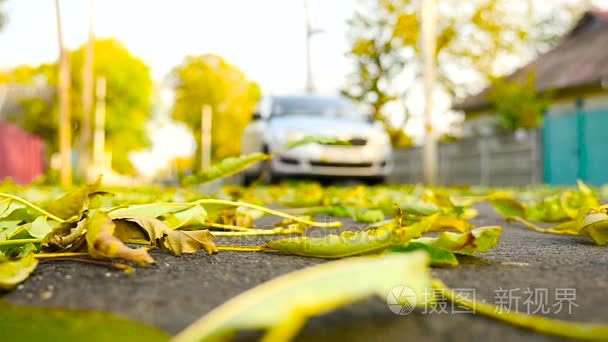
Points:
[118,266]
[335,224]
[258,232]
[59,255]
[227,227]
[536,227]
[544,325]
[241,248]
[19,242]
[33,206]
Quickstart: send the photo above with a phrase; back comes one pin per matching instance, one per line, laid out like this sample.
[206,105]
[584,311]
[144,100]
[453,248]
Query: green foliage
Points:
[473,39]
[518,103]
[2,15]
[210,80]
[128,99]
[399,139]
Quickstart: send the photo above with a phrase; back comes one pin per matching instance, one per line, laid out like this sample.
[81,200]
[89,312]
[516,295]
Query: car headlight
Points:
[289,135]
[380,139]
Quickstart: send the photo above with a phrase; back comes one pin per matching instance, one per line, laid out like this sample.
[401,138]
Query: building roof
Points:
[581,59]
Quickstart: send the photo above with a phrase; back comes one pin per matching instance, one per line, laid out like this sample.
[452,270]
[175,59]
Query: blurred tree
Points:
[128,97]
[38,113]
[517,102]
[210,80]
[129,91]
[2,15]
[475,40]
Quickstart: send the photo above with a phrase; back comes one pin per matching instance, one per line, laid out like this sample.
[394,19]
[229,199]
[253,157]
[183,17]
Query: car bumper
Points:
[355,161]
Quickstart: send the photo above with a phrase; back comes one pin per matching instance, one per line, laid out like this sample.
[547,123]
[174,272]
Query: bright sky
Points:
[265,38]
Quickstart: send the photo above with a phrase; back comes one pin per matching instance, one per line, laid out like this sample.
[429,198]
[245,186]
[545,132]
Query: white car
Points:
[282,119]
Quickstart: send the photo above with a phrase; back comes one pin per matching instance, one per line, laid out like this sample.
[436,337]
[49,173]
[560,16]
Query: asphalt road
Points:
[178,290]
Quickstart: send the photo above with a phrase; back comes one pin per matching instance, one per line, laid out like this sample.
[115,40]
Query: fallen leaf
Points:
[75,202]
[284,304]
[102,244]
[176,241]
[225,168]
[13,272]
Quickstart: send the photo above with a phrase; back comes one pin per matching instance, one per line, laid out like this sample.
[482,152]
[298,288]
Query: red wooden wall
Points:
[21,154]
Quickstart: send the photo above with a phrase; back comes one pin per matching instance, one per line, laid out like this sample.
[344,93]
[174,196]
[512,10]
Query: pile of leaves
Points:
[576,212]
[409,228]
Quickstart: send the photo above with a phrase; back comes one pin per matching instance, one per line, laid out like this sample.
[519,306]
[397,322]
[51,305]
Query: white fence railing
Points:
[503,159]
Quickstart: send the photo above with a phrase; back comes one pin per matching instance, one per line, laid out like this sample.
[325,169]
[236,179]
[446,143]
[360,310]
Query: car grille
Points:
[339,164]
[291,161]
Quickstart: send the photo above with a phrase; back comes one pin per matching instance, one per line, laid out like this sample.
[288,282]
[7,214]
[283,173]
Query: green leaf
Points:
[506,206]
[419,208]
[348,243]
[8,229]
[481,239]
[151,210]
[195,216]
[573,201]
[367,215]
[441,222]
[17,252]
[20,323]
[175,241]
[225,168]
[594,223]
[14,272]
[75,202]
[438,256]
[312,139]
[102,244]
[20,214]
[39,228]
[285,303]
[7,207]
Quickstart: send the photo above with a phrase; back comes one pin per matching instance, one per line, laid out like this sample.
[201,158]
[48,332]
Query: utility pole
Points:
[99,137]
[65,133]
[429,47]
[84,144]
[310,32]
[206,122]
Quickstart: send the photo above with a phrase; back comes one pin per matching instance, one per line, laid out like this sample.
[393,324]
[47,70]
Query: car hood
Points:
[322,126]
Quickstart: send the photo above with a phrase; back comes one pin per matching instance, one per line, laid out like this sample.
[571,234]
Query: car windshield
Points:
[316,106]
